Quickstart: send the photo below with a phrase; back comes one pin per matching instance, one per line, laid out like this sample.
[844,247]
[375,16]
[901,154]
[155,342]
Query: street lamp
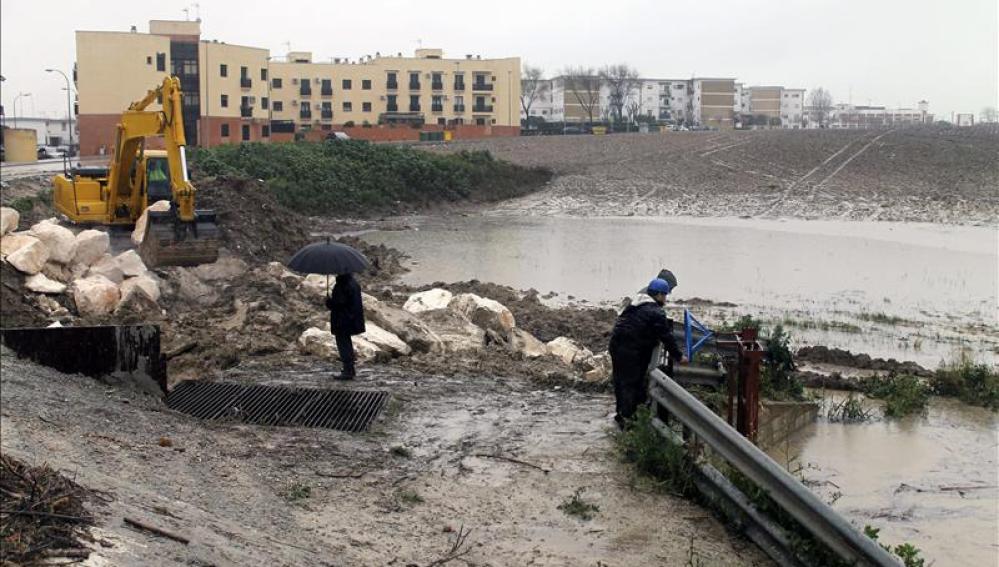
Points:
[69,106]
[19,95]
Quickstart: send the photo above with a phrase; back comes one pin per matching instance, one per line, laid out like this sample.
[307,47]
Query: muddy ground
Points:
[434,464]
[917,174]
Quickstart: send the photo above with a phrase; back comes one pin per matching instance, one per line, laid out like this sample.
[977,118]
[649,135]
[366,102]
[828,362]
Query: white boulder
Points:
[526,344]
[39,283]
[321,343]
[190,288]
[403,324]
[10,243]
[91,246]
[8,220]
[315,284]
[599,368]
[384,340]
[429,300]
[486,313]
[107,267]
[568,351]
[456,332]
[95,295]
[278,271]
[140,225]
[58,239]
[147,282]
[30,257]
[130,263]
[57,272]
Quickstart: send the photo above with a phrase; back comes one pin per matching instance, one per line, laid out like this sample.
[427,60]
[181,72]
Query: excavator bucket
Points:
[171,242]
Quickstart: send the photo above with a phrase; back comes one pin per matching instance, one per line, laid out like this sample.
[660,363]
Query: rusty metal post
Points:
[744,383]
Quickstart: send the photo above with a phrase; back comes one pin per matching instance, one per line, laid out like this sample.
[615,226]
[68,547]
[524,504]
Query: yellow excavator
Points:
[136,178]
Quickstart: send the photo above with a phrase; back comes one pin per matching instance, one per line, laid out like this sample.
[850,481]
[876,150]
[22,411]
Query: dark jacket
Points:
[639,328]
[346,309]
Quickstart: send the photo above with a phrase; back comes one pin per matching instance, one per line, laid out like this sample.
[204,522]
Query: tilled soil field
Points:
[920,174]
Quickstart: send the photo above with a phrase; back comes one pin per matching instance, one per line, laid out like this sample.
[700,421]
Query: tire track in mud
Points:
[849,159]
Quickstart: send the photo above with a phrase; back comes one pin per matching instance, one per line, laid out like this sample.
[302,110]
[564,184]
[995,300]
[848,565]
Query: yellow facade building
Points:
[236,93]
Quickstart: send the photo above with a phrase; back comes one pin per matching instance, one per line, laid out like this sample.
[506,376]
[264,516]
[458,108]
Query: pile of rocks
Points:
[437,321]
[58,262]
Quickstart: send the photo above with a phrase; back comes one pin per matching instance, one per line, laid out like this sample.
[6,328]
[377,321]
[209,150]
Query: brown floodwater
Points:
[930,480]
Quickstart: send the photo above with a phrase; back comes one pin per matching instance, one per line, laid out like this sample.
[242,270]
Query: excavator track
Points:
[171,242]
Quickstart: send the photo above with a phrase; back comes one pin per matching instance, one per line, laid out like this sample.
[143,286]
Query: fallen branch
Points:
[512,460]
[351,474]
[456,551]
[158,531]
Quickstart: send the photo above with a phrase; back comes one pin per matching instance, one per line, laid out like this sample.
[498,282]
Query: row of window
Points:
[437,103]
[265,131]
[244,72]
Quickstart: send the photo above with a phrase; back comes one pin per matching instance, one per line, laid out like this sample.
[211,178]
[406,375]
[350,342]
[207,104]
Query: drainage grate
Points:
[345,410]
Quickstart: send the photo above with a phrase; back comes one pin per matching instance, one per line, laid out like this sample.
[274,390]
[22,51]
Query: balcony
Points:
[482,108]
[436,108]
[437,86]
[459,108]
[305,114]
[327,114]
[245,82]
[414,86]
[392,86]
[482,87]
[392,108]
[414,108]
[326,91]
[305,89]
[246,111]
[459,86]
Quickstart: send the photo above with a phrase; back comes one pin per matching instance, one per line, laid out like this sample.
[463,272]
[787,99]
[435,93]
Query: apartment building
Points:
[714,102]
[771,107]
[236,93]
[792,108]
[857,116]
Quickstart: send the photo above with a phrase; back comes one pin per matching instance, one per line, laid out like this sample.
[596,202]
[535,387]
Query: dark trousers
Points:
[346,349]
[630,387]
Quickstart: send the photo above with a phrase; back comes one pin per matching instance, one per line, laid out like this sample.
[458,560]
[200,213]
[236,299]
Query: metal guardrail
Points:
[814,515]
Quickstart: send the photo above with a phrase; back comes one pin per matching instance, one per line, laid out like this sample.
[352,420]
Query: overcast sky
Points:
[889,52]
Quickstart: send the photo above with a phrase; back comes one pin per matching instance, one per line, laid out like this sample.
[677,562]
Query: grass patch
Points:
[878,317]
[850,410]
[659,460]
[410,497]
[297,492]
[822,325]
[973,383]
[777,374]
[360,178]
[902,394]
[576,506]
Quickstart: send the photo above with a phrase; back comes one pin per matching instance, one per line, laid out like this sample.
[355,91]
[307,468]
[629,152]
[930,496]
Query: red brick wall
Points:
[210,130]
[382,133]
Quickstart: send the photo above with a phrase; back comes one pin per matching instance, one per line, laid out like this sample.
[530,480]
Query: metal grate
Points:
[344,410]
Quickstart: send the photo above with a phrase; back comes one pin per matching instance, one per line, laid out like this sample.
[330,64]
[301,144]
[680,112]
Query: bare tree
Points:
[634,109]
[584,84]
[621,80]
[533,86]
[988,114]
[821,103]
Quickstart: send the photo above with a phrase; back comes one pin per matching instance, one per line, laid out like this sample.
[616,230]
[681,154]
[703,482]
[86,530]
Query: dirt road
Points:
[289,496]
[920,174]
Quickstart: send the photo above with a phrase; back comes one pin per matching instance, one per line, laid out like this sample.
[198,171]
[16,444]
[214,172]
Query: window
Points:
[246,132]
[264,102]
[265,131]
[225,130]
[366,106]
[326,87]
[149,60]
[225,101]
[346,84]
[480,121]
[276,83]
[414,103]
[278,106]
[347,106]
[414,80]
[223,70]
[263,74]
[366,84]
[390,81]
[244,72]
[161,61]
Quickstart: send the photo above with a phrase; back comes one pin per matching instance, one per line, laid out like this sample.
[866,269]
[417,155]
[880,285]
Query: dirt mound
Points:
[840,357]
[43,514]
[17,309]
[589,326]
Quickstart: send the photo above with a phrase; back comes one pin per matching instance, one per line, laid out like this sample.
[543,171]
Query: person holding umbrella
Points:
[346,320]
[345,305]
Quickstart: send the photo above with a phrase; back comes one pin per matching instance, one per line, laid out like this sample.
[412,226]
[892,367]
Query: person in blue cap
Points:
[639,328]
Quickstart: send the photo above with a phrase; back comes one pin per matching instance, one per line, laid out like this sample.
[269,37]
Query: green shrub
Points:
[903,394]
[664,462]
[973,383]
[356,177]
[578,507]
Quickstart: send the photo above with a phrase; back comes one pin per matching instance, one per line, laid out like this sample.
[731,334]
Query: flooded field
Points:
[904,290]
[929,480]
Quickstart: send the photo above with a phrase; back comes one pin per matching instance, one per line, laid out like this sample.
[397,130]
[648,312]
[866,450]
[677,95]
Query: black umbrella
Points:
[329,258]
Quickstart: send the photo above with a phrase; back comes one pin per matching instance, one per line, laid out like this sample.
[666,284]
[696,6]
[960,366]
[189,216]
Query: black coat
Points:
[346,309]
[637,331]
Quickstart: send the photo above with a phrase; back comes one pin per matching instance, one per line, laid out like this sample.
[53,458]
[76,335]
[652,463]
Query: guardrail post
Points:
[744,385]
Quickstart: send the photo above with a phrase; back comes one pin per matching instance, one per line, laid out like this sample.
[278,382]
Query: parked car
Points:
[50,152]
